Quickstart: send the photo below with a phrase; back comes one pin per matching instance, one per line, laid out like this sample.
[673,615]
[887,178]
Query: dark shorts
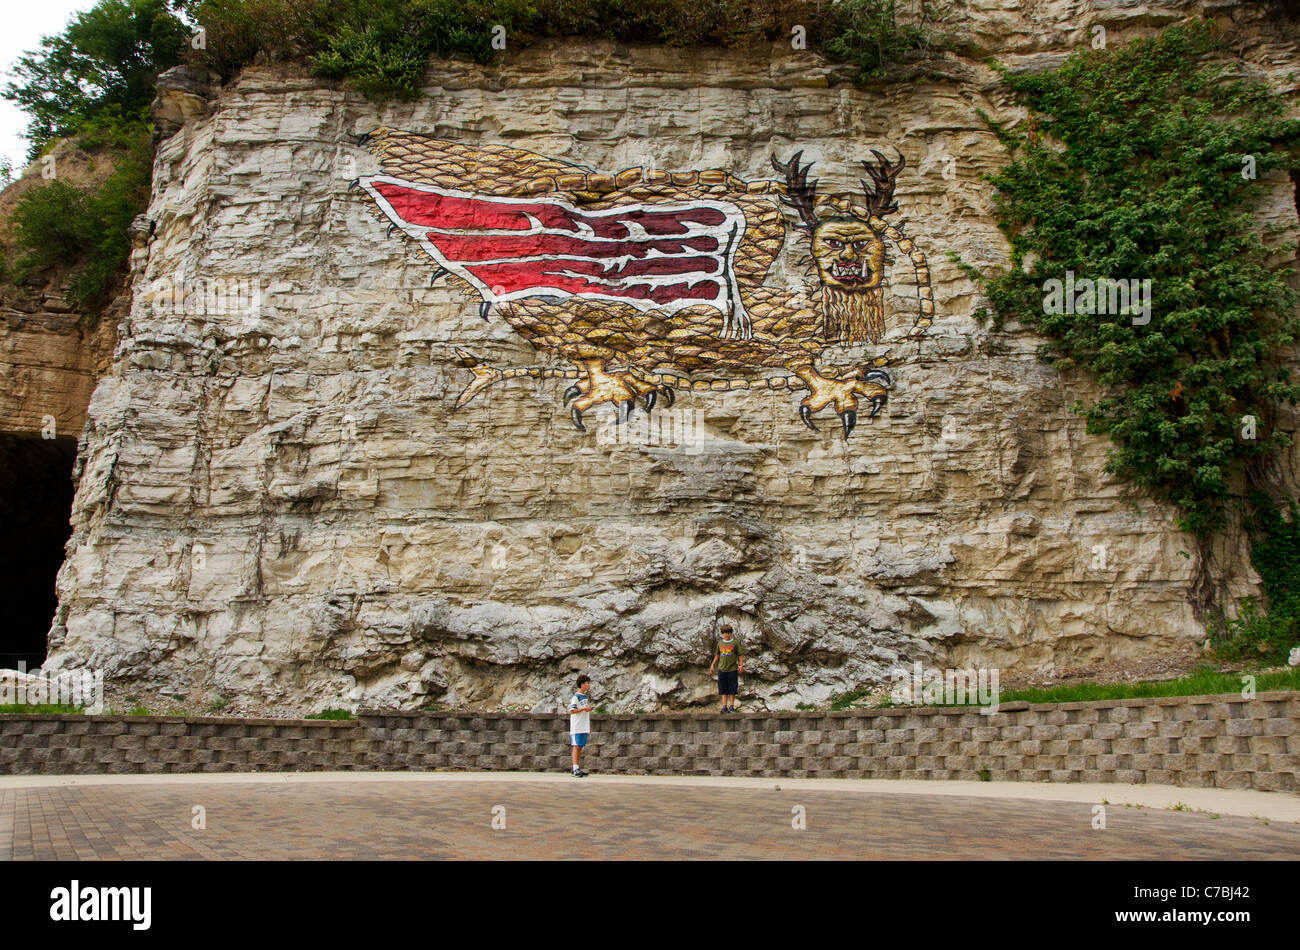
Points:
[727,683]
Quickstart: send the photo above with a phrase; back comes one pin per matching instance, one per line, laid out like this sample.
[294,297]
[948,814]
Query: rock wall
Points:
[279,502]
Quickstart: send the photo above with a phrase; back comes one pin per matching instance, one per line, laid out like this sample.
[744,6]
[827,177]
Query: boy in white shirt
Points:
[580,722]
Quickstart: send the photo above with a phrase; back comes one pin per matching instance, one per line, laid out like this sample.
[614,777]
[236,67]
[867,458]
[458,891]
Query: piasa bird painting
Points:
[645,282]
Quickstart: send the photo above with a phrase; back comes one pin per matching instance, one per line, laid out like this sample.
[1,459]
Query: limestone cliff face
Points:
[277,500]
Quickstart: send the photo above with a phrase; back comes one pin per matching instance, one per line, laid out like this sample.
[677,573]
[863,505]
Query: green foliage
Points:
[383,46]
[105,63]
[867,33]
[1130,167]
[847,700]
[123,195]
[59,225]
[39,709]
[1255,635]
[51,225]
[338,714]
[383,49]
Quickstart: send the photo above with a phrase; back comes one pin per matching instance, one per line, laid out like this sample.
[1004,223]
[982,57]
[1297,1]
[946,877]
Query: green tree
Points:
[105,64]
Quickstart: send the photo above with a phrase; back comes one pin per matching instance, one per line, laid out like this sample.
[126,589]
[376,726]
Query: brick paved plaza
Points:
[554,816]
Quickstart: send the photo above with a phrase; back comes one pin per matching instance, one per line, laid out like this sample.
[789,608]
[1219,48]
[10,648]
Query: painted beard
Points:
[852,316]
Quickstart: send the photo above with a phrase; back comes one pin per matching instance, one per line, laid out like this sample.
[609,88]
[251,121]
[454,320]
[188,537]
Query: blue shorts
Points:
[727,682]
[579,738]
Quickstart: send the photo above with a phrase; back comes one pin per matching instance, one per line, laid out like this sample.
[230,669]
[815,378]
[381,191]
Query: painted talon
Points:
[670,397]
[843,394]
[650,399]
[484,309]
[598,385]
[806,415]
[576,414]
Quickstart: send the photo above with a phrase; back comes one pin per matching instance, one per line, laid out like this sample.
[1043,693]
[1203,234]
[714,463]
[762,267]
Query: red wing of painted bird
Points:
[654,256]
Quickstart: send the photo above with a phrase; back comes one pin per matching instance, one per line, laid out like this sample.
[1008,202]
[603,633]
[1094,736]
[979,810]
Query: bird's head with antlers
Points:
[846,234]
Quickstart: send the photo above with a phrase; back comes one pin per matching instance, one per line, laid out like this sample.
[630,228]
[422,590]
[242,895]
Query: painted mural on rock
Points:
[647,282]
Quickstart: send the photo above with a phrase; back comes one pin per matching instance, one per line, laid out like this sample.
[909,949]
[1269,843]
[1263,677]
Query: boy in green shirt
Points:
[729,658]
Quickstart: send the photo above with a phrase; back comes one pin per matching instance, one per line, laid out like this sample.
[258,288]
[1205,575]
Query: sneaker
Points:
[578,773]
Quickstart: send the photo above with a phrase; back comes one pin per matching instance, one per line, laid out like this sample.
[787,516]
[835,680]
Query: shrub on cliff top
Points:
[58,225]
[382,46]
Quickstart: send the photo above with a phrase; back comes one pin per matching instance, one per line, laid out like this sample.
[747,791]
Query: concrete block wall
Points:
[1213,741]
[58,745]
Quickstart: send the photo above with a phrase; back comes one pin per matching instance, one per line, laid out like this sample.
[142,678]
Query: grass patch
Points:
[847,700]
[40,709]
[1202,682]
[337,714]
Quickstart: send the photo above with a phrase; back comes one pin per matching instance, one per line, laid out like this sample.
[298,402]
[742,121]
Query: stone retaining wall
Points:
[1222,741]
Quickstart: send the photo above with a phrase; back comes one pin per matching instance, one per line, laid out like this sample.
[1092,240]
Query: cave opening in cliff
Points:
[35,507]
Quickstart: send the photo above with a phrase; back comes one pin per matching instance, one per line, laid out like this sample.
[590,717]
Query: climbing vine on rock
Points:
[1145,164]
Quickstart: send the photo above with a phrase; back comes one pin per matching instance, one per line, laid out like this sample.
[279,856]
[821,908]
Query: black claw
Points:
[391,229]
[437,275]
[850,419]
[363,139]
[806,415]
[670,397]
[877,403]
[572,393]
[628,406]
[576,414]
[354,183]
[650,398]
[484,309]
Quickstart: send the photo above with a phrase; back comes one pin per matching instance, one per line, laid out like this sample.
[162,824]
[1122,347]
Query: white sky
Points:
[25,22]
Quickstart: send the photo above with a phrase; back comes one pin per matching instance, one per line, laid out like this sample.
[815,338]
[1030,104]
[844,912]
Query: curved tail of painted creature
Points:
[486,376]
